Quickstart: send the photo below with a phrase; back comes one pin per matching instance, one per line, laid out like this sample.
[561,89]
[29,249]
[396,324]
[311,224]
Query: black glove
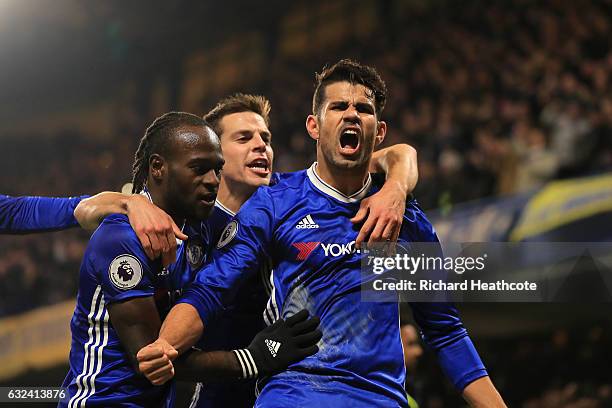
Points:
[278,346]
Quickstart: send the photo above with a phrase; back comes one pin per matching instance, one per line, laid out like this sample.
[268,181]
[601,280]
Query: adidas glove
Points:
[278,346]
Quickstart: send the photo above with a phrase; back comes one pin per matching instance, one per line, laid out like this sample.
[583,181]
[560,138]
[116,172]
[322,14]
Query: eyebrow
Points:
[207,161]
[369,103]
[263,132]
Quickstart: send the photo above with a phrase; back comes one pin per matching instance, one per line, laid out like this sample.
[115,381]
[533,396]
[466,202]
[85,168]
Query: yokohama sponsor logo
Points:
[305,249]
[340,249]
[334,250]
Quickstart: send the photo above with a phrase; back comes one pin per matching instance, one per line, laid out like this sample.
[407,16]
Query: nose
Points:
[351,114]
[259,144]
[211,180]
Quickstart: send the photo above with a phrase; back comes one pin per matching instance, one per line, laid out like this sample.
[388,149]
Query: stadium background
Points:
[509,105]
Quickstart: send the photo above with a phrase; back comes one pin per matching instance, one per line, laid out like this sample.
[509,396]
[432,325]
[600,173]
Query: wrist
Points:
[128,202]
[396,185]
[247,363]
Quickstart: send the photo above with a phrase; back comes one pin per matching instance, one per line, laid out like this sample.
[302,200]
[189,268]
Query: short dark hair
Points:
[236,103]
[355,73]
[157,140]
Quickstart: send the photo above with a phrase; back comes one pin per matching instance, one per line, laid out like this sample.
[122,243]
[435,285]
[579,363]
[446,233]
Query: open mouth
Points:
[349,141]
[208,199]
[259,166]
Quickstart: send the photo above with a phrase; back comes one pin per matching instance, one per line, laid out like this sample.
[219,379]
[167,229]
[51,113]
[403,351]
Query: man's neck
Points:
[233,197]
[347,181]
[158,199]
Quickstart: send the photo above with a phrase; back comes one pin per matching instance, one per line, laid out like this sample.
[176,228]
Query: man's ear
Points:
[381,132]
[157,166]
[312,126]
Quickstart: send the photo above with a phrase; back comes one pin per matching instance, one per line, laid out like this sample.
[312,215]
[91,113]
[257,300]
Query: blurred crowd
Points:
[497,97]
[565,368]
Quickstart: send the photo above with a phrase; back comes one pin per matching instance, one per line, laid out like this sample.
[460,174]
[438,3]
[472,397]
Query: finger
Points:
[361,214]
[365,231]
[153,365]
[146,244]
[156,246]
[149,353]
[389,232]
[306,326]
[163,379]
[178,233]
[171,354]
[161,373]
[309,339]
[390,248]
[296,318]
[393,243]
[376,235]
[169,254]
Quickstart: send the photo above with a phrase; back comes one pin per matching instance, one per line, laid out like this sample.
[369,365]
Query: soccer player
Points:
[242,122]
[303,224]
[122,292]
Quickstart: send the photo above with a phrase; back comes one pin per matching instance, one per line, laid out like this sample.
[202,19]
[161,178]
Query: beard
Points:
[335,160]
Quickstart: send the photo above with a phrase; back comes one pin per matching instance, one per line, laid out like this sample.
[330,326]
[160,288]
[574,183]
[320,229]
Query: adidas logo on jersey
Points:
[273,346]
[307,223]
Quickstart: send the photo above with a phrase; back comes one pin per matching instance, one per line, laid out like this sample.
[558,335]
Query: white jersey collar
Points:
[325,188]
[220,205]
[145,192]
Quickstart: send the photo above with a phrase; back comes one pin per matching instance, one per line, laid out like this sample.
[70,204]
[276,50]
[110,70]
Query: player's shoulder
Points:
[415,219]
[115,230]
[287,181]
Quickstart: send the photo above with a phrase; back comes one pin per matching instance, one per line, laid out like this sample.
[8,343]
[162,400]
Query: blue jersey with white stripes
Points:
[36,214]
[304,226]
[115,268]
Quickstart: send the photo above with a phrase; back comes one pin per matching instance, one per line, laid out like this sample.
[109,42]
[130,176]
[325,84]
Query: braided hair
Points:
[157,140]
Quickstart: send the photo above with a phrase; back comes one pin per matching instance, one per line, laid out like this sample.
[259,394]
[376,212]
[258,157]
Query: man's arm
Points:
[137,323]
[154,227]
[115,249]
[385,209]
[442,329]
[298,335]
[243,244]
[444,334]
[399,163]
[19,215]
[482,394]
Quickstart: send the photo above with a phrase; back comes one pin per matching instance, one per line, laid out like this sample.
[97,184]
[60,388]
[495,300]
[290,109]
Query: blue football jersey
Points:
[234,328]
[36,214]
[115,268]
[303,225]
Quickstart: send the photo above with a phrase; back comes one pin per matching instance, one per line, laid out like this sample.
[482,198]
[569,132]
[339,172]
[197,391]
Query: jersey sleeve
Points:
[441,327]
[37,214]
[242,247]
[120,263]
